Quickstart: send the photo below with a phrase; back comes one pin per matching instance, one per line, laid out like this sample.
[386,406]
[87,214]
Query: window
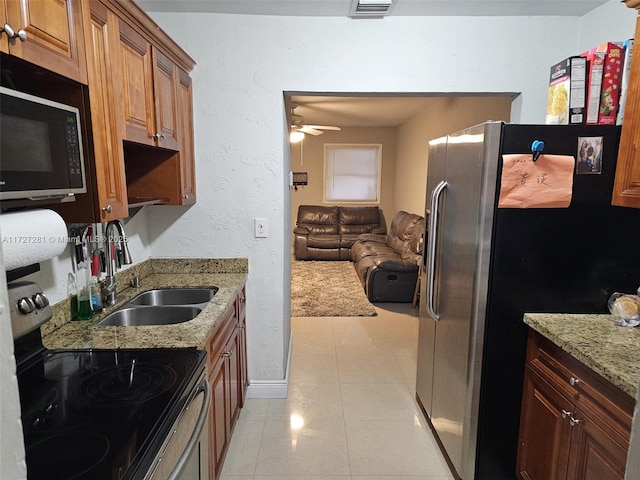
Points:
[352,173]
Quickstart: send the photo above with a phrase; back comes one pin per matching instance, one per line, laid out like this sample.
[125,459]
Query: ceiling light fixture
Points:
[296,136]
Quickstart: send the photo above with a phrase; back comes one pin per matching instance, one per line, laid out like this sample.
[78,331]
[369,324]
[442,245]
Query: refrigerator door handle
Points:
[431,247]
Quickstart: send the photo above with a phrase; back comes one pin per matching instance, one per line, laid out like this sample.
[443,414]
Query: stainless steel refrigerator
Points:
[486,266]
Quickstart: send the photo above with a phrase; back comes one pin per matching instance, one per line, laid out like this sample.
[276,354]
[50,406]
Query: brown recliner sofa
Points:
[327,233]
[388,265]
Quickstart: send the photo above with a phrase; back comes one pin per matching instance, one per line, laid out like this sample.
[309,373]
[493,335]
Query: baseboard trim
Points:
[272,388]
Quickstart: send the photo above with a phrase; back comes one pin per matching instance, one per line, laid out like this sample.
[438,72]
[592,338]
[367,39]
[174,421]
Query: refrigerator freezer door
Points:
[427,328]
[462,265]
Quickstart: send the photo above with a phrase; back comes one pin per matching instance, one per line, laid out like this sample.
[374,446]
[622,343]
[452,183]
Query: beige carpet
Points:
[327,289]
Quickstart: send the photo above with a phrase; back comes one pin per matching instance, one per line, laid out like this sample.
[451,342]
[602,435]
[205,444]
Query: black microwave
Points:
[40,148]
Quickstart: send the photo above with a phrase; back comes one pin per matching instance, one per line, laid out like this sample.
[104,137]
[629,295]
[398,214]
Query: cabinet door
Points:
[54,35]
[626,188]
[108,155]
[242,344]
[4,42]
[187,155]
[545,432]
[219,381]
[137,91]
[233,357]
[594,454]
[165,90]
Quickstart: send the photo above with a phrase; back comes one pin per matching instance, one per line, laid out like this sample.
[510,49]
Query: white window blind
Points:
[352,173]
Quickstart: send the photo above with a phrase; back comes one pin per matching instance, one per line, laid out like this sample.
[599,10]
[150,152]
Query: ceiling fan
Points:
[299,128]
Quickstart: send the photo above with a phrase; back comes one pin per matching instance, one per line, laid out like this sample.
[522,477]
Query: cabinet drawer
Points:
[216,343]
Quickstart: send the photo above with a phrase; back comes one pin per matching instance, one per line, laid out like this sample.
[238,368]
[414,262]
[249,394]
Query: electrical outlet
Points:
[260,227]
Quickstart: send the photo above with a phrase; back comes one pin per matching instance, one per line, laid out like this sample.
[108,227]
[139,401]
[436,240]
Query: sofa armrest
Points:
[397,266]
[300,247]
[301,231]
[372,237]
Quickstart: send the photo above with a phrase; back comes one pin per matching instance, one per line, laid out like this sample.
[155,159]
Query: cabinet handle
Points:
[565,414]
[574,381]
[186,197]
[158,136]
[8,29]
[107,209]
[573,422]
[226,354]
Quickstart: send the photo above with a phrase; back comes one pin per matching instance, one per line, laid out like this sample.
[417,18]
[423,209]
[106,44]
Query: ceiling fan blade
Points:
[322,127]
[310,131]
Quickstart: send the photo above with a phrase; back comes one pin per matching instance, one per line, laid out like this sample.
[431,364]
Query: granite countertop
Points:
[609,350]
[77,335]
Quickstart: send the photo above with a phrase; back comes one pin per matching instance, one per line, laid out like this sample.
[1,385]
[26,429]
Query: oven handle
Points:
[197,431]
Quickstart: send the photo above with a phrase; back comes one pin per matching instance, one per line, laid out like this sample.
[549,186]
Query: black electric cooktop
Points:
[101,414]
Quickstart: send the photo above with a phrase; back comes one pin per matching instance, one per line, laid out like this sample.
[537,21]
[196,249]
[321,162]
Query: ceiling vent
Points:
[371,8]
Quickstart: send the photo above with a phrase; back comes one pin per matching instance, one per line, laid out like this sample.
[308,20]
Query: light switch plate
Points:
[260,227]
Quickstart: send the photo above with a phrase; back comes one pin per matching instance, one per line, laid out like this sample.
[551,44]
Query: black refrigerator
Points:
[486,266]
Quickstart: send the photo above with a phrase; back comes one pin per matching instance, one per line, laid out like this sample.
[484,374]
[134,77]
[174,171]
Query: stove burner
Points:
[124,385]
[68,455]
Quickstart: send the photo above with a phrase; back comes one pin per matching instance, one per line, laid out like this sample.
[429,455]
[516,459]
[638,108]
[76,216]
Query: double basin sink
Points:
[163,306]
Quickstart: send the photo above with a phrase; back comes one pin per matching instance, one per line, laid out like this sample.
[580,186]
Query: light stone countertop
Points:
[609,350]
[77,335]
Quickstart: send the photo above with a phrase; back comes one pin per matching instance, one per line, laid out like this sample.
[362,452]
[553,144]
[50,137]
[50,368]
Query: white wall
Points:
[613,21]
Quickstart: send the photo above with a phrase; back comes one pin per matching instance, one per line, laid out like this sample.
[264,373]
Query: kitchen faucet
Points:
[118,254]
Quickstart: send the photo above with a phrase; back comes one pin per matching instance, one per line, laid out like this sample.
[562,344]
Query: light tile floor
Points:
[351,412]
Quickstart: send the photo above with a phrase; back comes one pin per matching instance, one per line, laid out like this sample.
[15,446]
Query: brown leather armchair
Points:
[327,233]
[388,265]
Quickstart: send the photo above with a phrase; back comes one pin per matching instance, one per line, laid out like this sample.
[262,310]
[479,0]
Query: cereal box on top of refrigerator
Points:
[566,99]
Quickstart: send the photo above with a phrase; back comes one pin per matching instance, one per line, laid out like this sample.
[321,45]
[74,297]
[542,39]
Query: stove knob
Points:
[40,300]
[26,305]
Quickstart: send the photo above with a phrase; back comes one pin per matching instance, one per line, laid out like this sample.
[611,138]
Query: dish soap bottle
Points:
[85,310]
[72,295]
[94,285]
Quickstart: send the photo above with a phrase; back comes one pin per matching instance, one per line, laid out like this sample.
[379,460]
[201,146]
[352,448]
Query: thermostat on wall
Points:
[299,178]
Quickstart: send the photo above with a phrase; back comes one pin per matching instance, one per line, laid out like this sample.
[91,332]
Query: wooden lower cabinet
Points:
[227,373]
[574,424]
[544,433]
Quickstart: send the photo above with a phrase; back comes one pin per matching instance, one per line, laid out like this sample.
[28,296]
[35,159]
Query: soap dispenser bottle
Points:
[85,309]
[72,295]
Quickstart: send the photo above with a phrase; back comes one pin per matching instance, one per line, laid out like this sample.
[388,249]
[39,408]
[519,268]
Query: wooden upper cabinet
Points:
[626,189]
[137,86]
[54,35]
[110,181]
[165,91]
[187,156]
[150,87]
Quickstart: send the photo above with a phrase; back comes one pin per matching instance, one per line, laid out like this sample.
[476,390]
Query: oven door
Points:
[184,453]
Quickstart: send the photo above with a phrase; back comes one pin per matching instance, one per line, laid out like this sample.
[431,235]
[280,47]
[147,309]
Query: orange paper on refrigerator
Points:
[545,183]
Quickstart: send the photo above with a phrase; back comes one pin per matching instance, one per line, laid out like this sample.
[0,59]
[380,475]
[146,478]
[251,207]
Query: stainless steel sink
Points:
[175,296]
[150,315]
